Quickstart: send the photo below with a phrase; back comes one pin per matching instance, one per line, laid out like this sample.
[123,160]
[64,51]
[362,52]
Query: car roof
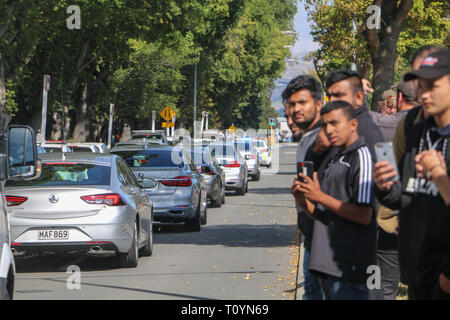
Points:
[143,146]
[147,131]
[77,156]
[85,143]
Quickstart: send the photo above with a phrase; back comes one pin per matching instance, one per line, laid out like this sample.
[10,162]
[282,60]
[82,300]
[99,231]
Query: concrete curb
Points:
[300,290]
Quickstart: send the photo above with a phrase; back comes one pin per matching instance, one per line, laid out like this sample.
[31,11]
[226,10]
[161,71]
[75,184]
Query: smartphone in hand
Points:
[305,167]
[384,151]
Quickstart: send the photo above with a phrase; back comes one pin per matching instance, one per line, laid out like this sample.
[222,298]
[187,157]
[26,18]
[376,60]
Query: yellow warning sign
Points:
[232,128]
[167,124]
[167,114]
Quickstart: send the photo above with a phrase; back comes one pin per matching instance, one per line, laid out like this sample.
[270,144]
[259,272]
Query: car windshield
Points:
[80,149]
[244,146]
[150,137]
[261,144]
[152,158]
[53,149]
[68,174]
[200,157]
[221,151]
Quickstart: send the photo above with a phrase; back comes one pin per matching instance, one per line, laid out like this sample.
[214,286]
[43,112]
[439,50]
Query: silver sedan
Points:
[234,166]
[213,174]
[82,202]
[180,195]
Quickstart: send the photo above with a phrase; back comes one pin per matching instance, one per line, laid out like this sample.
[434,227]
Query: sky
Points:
[301,25]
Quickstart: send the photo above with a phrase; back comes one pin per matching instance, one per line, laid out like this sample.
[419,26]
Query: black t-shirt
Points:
[340,247]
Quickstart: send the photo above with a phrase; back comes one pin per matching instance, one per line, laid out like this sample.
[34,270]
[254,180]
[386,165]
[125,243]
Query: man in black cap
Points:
[422,194]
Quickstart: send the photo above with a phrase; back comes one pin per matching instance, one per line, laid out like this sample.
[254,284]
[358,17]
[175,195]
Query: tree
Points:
[384,53]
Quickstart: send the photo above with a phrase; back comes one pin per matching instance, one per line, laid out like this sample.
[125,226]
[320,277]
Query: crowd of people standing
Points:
[358,214]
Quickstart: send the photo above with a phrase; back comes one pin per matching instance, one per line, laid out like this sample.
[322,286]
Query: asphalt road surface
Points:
[247,250]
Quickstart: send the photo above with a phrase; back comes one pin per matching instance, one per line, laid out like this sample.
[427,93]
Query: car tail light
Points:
[13,201]
[233,164]
[211,173]
[265,150]
[109,199]
[182,181]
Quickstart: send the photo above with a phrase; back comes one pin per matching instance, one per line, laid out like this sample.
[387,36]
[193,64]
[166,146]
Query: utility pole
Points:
[111,119]
[195,100]
[45,90]
[153,120]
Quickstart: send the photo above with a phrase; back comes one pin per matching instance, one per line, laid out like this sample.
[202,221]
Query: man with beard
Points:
[346,85]
[302,99]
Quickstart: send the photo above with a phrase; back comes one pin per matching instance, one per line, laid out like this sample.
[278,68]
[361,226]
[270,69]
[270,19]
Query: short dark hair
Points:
[302,82]
[344,74]
[424,51]
[339,104]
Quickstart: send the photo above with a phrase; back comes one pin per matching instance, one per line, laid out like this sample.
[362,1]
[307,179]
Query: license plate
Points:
[53,234]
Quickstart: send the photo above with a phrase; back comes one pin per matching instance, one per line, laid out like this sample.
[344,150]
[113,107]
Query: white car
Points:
[96,147]
[55,146]
[265,154]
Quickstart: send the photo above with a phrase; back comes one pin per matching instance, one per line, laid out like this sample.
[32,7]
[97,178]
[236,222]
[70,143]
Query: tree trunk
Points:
[81,131]
[57,127]
[5,118]
[383,45]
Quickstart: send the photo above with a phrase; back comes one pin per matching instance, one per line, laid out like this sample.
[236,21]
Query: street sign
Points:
[232,128]
[167,113]
[168,124]
[272,122]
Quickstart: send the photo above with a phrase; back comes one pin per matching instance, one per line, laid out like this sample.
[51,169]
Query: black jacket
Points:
[424,220]
[368,129]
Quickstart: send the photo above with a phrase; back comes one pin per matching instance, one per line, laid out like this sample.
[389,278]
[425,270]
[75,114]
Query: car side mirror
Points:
[148,183]
[22,153]
[206,169]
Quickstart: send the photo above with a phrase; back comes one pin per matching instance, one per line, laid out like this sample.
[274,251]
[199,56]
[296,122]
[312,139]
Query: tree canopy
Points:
[140,55]
[382,55]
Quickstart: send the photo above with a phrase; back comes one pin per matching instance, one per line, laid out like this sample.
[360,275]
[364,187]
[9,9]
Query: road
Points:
[247,250]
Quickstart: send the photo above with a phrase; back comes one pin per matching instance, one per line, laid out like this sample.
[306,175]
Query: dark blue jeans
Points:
[345,290]
[313,290]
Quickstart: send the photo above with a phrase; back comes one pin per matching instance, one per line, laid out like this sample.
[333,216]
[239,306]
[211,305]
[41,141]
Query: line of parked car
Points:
[91,199]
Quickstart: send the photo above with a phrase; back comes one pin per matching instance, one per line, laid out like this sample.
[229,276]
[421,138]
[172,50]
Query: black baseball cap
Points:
[407,88]
[434,66]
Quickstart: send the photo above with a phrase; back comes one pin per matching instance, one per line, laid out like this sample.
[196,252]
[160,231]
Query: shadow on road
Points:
[271,190]
[232,235]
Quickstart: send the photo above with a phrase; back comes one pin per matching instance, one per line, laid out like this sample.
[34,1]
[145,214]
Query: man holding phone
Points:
[422,195]
[303,101]
[344,234]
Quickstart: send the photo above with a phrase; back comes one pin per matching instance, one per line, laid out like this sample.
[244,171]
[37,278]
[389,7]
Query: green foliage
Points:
[332,27]
[140,55]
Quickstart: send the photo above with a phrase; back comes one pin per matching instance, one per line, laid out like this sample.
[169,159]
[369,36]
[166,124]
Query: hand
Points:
[367,86]
[311,189]
[298,195]
[444,283]
[427,161]
[383,174]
